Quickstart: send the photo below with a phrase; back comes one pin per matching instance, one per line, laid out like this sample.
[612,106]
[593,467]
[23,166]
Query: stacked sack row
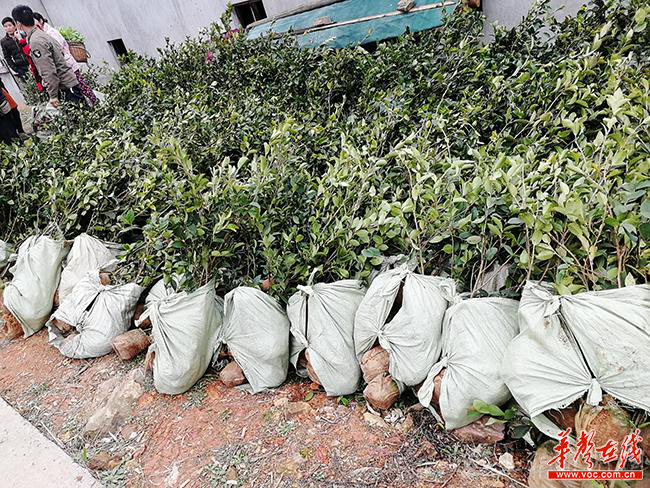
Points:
[559,356]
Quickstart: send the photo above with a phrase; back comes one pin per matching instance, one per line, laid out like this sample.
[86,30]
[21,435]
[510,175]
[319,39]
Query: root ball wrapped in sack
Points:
[98,312]
[374,363]
[382,392]
[608,420]
[29,297]
[305,363]
[139,310]
[11,328]
[185,330]
[564,417]
[232,375]
[538,474]
[480,432]
[322,324]
[411,331]
[476,333]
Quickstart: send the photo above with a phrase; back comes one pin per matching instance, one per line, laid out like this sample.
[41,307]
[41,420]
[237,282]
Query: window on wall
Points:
[249,12]
[118,48]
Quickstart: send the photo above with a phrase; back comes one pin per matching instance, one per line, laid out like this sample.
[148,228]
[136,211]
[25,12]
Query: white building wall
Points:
[143,25]
[510,12]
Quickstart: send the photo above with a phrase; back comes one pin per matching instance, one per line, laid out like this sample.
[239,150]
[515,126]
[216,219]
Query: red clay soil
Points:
[218,436]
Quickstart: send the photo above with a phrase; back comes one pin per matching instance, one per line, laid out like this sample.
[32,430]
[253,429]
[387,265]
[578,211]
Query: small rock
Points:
[374,420]
[407,425]
[426,450]
[129,431]
[506,460]
[280,402]
[104,461]
[405,5]
[118,406]
[231,474]
[296,409]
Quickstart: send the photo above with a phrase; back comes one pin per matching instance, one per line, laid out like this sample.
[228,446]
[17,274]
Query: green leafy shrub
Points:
[71,35]
[238,159]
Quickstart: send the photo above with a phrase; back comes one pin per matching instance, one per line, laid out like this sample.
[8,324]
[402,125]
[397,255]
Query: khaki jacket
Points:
[48,57]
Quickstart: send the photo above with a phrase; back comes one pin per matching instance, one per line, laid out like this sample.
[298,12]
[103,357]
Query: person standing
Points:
[58,78]
[12,51]
[10,124]
[42,23]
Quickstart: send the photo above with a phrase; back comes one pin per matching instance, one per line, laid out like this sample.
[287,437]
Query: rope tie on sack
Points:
[307,290]
[447,289]
[595,393]
[553,304]
[384,342]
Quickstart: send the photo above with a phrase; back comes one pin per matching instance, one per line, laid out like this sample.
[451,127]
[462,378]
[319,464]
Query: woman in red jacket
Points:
[32,67]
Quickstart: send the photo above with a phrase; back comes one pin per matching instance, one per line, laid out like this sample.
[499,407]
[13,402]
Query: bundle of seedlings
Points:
[400,320]
[574,347]
[255,333]
[322,344]
[185,330]
[92,316]
[475,335]
[29,297]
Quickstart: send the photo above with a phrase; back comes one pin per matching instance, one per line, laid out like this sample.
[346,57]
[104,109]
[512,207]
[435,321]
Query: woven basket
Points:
[78,51]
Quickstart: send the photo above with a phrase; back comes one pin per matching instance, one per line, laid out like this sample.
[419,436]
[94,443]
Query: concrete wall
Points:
[143,25]
[510,12]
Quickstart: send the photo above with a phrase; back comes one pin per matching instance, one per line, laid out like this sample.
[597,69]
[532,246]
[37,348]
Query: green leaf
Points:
[309,396]
[520,431]
[645,209]
[527,219]
[371,252]
[485,408]
[616,101]
[129,217]
[644,230]
[523,257]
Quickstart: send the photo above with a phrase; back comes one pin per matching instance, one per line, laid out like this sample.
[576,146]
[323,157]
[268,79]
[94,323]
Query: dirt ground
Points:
[215,436]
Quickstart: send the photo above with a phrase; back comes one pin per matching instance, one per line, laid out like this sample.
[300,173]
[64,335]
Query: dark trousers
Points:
[15,114]
[10,126]
[73,95]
